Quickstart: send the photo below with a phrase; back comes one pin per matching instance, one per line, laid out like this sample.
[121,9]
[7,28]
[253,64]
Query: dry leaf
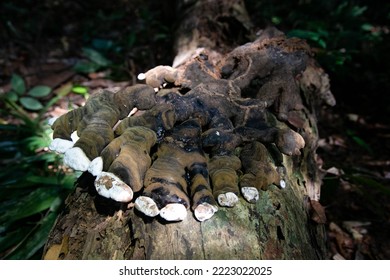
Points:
[318,212]
[57,251]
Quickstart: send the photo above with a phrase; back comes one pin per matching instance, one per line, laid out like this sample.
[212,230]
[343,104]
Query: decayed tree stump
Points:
[286,222]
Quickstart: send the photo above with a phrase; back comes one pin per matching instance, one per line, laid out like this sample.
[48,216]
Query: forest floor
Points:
[354,146]
[356,188]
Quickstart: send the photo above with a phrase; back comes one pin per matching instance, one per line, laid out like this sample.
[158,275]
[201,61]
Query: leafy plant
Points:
[93,61]
[338,29]
[81,90]
[20,102]
[359,141]
[30,99]
[33,184]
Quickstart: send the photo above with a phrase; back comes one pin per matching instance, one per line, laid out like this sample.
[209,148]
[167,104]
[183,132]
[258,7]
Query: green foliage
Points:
[368,181]
[94,61]
[20,103]
[28,100]
[319,37]
[350,39]
[338,29]
[33,184]
[17,84]
[31,103]
[81,90]
[359,141]
[126,33]
[360,193]
[39,91]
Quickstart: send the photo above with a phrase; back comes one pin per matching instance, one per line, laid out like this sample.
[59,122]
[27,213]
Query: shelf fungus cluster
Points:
[202,134]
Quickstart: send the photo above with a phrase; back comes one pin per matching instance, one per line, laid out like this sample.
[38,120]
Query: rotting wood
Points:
[274,71]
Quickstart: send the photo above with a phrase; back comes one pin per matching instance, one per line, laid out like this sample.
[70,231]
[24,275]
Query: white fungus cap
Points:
[173,212]
[147,206]
[74,136]
[111,186]
[60,145]
[96,166]
[251,194]
[141,76]
[205,211]
[228,199]
[75,158]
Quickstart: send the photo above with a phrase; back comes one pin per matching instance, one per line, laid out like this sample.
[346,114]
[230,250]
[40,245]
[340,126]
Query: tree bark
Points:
[283,224]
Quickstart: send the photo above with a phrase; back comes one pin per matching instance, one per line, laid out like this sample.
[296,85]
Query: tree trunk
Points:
[285,223]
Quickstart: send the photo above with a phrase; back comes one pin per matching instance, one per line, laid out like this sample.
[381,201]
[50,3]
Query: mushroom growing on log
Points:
[217,125]
[226,117]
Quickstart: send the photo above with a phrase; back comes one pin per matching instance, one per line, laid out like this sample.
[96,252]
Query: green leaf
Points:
[86,67]
[14,189]
[341,7]
[358,11]
[80,90]
[359,141]
[36,239]
[36,142]
[96,57]
[8,127]
[31,103]
[47,157]
[11,238]
[33,203]
[60,92]
[18,84]
[43,180]
[362,143]
[368,182]
[39,91]
[304,34]
[276,20]
[322,43]
[12,95]
[102,44]
[9,147]
[367,27]
[68,182]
